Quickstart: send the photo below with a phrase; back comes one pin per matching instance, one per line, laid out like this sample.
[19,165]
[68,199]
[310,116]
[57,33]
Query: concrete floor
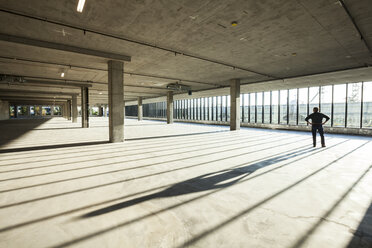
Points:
[181,185]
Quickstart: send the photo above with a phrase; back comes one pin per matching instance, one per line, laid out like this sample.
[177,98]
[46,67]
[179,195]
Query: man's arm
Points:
[327,119]
[307,120]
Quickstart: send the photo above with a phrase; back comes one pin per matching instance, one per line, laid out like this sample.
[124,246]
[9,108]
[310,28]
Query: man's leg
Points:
[321,132]
[313,131]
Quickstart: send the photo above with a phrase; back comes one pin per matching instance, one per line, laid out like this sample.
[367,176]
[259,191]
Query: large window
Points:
[354,97]
[259,107]
[339,105]
[326,101]
[367,105]
[292,107]
[266,108]
[302,105]
[252,107]
[275,107]
[283,106]
[348,105]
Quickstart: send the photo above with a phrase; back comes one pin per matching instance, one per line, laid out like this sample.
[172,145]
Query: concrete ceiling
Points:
[187,41]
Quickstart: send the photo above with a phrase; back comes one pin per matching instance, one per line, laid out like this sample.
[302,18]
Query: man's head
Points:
[315,109]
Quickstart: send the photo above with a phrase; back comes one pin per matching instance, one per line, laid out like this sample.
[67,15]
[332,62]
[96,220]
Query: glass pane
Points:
[302,106]
[259,107]
[313,98]
[219,104]
[246,107]
[267,107]
[293,106]
[252,107]
[283,106]
[367,105]
[241,107]
[228,107]
[354,97]
[339,105]
[215,108]
[274,107]
[223,108]
[326,102]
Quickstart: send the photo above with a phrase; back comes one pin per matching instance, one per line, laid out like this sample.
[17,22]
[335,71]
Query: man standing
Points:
[317,124]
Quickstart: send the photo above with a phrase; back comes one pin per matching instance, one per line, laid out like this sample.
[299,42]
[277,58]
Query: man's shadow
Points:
[209,181]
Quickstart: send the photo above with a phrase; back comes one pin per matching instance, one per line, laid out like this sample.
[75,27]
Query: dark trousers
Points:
[321,132]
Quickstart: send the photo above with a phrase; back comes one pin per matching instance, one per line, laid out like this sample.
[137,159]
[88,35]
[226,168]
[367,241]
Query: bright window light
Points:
[80,6]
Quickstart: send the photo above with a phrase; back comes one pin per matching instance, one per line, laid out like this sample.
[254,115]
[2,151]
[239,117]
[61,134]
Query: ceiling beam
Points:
[63,47]
[25,98]
[6,79]
[54,93]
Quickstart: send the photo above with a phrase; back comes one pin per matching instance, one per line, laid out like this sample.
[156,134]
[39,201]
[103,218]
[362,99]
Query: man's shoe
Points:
[323,145]
[314,145]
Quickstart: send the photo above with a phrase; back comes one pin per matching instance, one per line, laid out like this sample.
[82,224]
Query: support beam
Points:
[15,111]
[116,103]
[235,104]
[40,110]
[74,109]
[84,107]
[169,107]
[62,47]
[100,111]
[140,109]
[68,110]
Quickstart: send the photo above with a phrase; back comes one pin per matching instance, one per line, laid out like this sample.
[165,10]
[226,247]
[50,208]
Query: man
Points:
[317,124]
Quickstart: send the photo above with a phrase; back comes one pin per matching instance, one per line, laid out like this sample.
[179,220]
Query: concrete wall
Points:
[4,110]
[335,130]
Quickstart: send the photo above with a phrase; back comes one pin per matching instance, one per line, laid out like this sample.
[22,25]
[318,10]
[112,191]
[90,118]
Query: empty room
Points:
[181,123]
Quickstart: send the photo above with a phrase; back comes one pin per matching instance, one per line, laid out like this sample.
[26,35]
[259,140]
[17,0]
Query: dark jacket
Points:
[317,118]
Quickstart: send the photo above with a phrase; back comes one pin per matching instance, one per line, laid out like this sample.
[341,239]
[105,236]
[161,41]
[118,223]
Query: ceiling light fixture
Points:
[80,6]
[62,74]
[234,23]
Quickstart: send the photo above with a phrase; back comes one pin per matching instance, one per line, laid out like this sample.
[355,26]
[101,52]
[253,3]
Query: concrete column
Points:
[116,100]
[105,110]
[68,110]
[235,104]
[100,110]
[28,111]
[41,110]
[15,111]
[84,107]
[140,109]
[65,110]
[52,111]
[74,109]
[169,107]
